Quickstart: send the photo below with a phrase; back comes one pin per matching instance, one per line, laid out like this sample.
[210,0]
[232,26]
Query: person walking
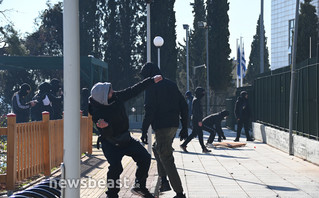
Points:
[197,121]
[242,114]
[19,104]
[212,124]
[108,112]
[164,105]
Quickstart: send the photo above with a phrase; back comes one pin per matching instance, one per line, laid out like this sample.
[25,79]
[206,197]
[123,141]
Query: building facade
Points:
[282,26]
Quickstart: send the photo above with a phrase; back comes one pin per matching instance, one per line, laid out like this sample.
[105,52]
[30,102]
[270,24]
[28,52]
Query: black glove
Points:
[144,137]
[183,134]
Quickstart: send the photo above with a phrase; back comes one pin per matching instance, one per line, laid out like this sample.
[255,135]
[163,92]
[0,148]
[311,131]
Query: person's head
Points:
[244,94]
[224,113]
[24,89]
[149,70]
[55,85]
[45,87]
[102,92]
[188,94]
[199,92]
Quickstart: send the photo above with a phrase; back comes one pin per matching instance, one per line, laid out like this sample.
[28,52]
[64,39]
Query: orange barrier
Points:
[37,147]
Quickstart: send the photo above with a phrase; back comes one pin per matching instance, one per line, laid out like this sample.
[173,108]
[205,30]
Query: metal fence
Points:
[271,99]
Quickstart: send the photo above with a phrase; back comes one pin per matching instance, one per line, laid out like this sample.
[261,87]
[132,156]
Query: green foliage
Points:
[163,24]
[220,65]
[307,27]
[253,68]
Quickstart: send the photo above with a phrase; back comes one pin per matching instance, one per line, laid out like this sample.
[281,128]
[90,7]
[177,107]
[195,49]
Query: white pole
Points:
[207,71]
[71,78]
[309,47]
[241,68]
[262,39]
[237,63]
[149,133]
[187,60]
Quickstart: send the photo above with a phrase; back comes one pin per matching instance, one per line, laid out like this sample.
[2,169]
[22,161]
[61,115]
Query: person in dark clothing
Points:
[57,99]
[85,93]
[212,124]
[19,104]
[43,98]
[108,112]
[164,105]
[189,99]
[197,121]
[242,114]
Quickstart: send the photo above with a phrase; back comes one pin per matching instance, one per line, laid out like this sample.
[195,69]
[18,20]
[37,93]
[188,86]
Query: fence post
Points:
[90,133]
[46,143]
[11,152]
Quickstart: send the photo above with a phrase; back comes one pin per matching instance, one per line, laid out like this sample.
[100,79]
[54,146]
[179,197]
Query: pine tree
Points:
[307,27]
[253,68]
[220,65]
[163,24]
[198,45]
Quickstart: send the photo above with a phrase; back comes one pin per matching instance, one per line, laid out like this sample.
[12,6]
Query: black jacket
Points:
[242,109]
[197,107]
[164,103]
[213,121]
[21,108]
[115,113]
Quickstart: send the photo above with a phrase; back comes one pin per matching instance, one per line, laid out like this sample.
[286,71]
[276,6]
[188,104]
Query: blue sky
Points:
[243,15]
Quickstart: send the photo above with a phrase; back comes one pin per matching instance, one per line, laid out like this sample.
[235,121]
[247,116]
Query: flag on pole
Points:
[243,61]
[238,62]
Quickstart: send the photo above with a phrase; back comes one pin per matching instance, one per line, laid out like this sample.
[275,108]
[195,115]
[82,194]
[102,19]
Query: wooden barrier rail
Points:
[37,147]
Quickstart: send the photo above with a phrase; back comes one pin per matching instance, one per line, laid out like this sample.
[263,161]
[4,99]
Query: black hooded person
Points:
[242,114]
[212,124]
[164,105]
[108,112]
[56,99]
[19,104]
[43,98]
[197,121]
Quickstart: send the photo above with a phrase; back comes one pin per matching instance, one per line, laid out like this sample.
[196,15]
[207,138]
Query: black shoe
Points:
[143,192]
[219,140]
[184,148]
[180,196]
[205,150]
[236,140]
[165,186]
[250,139]
[224,137]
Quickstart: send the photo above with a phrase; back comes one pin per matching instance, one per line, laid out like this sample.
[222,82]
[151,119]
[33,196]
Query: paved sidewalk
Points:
[255,170]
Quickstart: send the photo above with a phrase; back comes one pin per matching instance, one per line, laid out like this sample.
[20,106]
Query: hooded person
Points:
[212,124]
[108,112]
[197,118]
[242,114]
[56,99]
[19,104]
[164,106]
[43,98]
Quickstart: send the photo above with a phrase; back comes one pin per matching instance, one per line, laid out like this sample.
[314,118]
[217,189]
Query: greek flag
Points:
[243,61]
[238,62]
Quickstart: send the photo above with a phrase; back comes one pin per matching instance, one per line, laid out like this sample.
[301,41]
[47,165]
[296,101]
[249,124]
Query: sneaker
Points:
[236,140]
[219,140]
[205,150]
[250,139]
[209,145]
[143,192]
[184,148]
[165,186]
[224,137]
[180,196]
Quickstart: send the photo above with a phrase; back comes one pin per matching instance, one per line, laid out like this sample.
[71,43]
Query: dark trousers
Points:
[212,135]
[114,155]
[240,125]
[197,131]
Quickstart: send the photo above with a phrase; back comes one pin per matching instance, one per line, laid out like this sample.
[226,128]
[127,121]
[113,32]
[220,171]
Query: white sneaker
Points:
[209,145]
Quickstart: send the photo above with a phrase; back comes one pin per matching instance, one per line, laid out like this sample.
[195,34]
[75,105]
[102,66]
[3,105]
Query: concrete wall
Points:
[303,147]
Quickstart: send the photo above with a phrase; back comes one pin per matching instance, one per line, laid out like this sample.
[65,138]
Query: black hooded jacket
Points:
[19,104]
[36,111]
[213,121]
[242,109]
[164,103]
[197,107]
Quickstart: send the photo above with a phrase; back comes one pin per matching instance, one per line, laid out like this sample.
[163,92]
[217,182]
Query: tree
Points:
[198,44]
[163,24]
[307,28]
[253,68]
[220,65]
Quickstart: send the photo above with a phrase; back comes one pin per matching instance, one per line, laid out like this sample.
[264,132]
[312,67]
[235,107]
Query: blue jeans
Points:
[114,155]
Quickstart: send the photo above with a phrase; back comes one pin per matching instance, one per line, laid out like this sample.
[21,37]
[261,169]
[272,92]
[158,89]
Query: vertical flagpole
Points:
[240,66]
[262,39]
[238,62]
